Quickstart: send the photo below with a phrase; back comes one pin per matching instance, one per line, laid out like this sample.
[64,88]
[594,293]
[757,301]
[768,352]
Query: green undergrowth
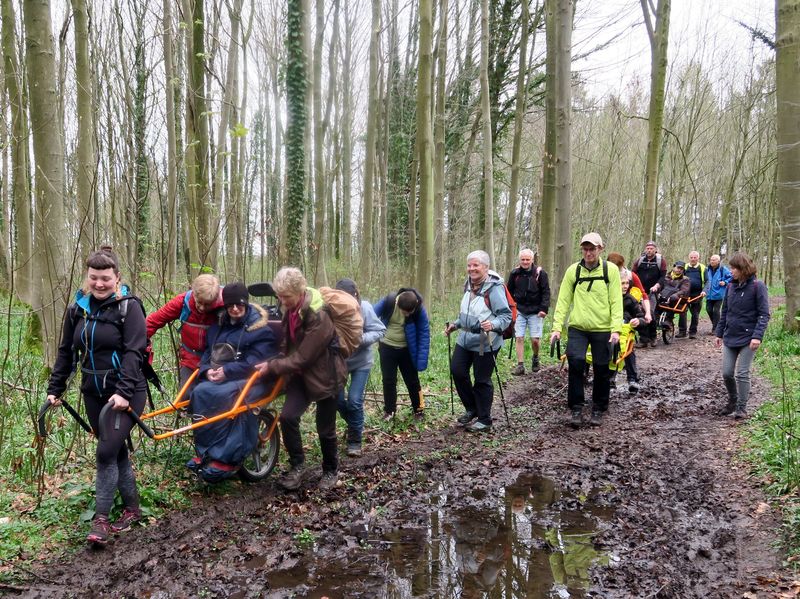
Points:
[773,432]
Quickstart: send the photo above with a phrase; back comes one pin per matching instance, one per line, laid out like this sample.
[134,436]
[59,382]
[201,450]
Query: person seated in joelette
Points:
[240,339]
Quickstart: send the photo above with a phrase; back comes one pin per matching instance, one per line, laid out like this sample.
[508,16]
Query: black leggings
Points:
[114,469]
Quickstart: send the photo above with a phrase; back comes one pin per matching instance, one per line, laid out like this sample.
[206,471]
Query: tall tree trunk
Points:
[142,172]
[297,111]
[85,175]
[425,146]
[519,117]
[563,253]
[369,151]
[22,250]
[50,247]
[317,251]
[659,36]
[347,133]
[787,75]
[547,239]
[228,221]
[486,117]
[439,149]
[196,159]
[171,233]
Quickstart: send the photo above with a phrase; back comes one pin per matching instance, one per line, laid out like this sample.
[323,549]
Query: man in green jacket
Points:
[592,288]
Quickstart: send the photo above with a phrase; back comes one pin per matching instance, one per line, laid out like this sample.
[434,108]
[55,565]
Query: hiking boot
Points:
[729,409]
[612,384]
[597,418]
[328,481]
[101,529]
[680,335]
[478,427]
[518,370]
[644,344]
[652,343]
[129,516]
[194,464]
[419,415]
[467,417]
[692,335]
[535,363]
[633,387]
[388,416]
[576,419]
[740,413]
[292,480]
[354,450]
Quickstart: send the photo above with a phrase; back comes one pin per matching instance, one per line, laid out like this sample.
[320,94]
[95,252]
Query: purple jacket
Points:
[745,313]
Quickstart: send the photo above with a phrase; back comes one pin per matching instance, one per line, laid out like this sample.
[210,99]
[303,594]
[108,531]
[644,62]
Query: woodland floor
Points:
[652,504]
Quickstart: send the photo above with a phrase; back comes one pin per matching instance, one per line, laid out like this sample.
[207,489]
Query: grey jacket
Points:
[374,330]
[489,304]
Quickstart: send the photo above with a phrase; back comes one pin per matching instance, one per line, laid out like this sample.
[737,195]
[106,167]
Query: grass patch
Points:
[773,433]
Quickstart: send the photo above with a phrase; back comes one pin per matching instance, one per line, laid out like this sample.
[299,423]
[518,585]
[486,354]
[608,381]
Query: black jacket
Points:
[531,292]
[106,340]
[631,308]
[745,313]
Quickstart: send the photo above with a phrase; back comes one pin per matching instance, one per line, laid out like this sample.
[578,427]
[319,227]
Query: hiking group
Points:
[326,336]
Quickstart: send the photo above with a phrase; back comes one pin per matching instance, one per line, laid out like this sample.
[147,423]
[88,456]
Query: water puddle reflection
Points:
[533,541]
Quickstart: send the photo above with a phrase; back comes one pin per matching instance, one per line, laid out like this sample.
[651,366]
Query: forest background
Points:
[381,140]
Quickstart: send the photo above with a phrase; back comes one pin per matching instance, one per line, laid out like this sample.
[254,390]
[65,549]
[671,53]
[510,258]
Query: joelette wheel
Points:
[264,458]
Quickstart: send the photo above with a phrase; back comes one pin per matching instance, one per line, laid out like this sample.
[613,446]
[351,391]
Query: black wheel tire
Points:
[667,334]
[264,458]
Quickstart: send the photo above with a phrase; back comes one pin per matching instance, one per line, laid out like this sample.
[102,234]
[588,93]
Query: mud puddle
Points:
[530,540]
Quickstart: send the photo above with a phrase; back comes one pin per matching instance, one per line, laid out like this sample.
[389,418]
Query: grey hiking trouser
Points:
[736,363]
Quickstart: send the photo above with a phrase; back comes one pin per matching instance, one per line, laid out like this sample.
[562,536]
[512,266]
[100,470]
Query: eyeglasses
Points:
[237,305]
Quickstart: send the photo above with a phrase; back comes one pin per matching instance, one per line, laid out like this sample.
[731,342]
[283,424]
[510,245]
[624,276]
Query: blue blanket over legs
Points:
[229,440]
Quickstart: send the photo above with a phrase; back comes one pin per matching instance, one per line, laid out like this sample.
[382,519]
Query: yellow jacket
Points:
[596,305]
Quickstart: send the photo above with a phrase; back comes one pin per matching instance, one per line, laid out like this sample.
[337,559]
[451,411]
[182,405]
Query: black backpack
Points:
[592,279]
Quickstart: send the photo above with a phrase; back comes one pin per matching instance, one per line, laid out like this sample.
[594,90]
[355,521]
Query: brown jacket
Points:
[312,354]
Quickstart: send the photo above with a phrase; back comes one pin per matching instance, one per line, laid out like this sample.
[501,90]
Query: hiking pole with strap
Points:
[47,405]
[497,373]
[450,369]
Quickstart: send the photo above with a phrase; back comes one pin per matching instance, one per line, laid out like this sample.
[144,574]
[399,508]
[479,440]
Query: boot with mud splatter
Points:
[576,419]
[101,529]
[729,409]
[597,418]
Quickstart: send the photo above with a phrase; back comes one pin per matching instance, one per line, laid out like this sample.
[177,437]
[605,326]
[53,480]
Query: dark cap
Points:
[348,285]
[680,264]
[653,243]
[235,293]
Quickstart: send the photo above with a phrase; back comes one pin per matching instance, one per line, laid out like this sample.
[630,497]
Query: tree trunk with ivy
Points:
[486,120]
[425,146]
[297,112]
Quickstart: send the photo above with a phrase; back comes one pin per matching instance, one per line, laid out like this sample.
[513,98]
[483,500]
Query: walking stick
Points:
[450,370]
[499,384]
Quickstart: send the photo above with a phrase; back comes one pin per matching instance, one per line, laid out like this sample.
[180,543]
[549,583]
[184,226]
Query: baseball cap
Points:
[592,238]
[680,264]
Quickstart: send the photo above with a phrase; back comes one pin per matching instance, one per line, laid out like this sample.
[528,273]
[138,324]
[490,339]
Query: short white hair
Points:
[480,256]
[526,252]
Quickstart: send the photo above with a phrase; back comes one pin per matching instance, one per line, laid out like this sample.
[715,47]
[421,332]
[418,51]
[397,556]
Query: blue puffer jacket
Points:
[745,313]
[714,276]
[417,327]
[251,337]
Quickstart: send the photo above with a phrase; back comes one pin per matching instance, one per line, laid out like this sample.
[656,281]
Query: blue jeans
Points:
[352,410]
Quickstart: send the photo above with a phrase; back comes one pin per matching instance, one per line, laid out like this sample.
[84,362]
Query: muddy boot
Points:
[729,409]
[292,480]
[354,450]
[576,419]
[328,481]
[740,413]
[597,418]
[535,363]
[101,529]
[467,417]
[518,370]
[129,516]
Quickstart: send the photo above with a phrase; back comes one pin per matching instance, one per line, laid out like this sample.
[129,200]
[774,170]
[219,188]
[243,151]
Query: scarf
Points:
[294,318]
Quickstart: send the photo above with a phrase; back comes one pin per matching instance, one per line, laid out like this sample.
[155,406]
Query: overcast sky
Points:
[706,30]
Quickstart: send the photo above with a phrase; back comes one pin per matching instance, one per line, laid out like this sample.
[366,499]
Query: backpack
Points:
[345,312]
[508,332]
[591,280]
[636,263]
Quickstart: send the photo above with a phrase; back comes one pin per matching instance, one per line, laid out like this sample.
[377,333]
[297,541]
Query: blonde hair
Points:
[206,289]
[289,280]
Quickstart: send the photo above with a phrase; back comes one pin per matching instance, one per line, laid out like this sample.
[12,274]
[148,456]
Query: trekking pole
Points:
[499,384]
[47,405]
[450,369]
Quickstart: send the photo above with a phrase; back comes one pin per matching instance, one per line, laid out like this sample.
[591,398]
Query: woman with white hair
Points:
[483,315]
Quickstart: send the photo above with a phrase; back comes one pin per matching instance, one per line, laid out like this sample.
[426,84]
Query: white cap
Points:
[592,238]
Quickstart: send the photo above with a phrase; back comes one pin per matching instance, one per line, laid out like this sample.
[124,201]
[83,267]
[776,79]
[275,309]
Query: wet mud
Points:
[653,503]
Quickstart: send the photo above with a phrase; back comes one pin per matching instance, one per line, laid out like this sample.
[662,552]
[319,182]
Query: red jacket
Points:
[193,330]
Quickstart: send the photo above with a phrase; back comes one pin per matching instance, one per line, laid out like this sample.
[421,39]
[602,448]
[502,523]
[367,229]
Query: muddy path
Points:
[651,504]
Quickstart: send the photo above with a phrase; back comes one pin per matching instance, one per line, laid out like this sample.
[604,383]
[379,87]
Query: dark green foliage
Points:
[295,130]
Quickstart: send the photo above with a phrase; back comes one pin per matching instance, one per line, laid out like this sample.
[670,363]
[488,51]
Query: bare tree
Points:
[486,119]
